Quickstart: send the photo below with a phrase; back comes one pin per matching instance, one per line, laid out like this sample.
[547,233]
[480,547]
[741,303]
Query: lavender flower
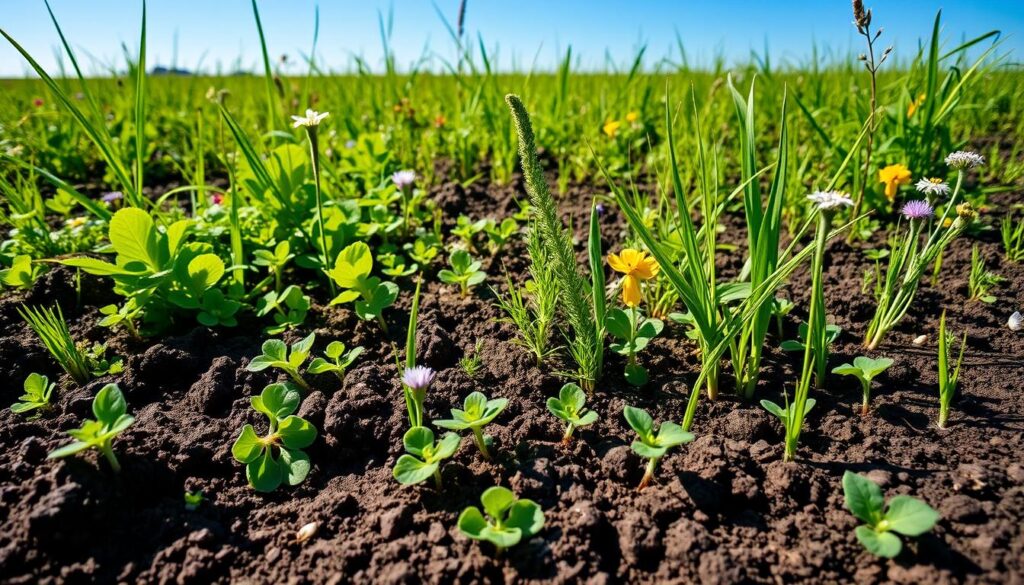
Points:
[932,187]
[830,200]
[403,179]
[600,209]
[963,159]
[917,210]
[112,196]
[418,378]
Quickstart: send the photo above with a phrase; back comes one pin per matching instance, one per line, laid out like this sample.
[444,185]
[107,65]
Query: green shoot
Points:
[278,355]
[949,370]
[980,280]
[110,410]
[472,362]
[864,369]
[193,499]
[476,413]
[38,390]
[288,434]
[1013,238]
[53,331]
[465,271]
[508,520]
[337,362]
[651,445]
[569,407]
[901,514]
[423,457]
[351,273]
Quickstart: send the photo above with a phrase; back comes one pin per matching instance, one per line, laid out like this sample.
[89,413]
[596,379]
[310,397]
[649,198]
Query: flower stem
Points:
[478,437]
[314,155]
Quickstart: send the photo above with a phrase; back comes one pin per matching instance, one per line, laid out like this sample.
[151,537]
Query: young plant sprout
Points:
[275,260]
[569,407]
[287,433]
[500,233]
[532,307]
[902,514]
[949,371]
[110,410]
[1013,238]
[51,328]
[477,412]
[424,456]
[471,362]
[465,271]
[864,369]
[416,381]
[980,280]
[508,520]
[278,355]
[289,308]
[632,330]
[337,362]
[352,274]
[653,445]
[193,499]
[38,391]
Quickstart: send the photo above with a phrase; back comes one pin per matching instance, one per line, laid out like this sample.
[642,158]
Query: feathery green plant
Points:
[52,329]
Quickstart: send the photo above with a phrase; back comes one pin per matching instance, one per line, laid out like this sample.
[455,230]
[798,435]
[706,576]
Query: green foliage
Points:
[508,520]
[902,515]
[288,306]
[287,436]
[276,354]
[52,330]
[38,390]
[477,412]
[110,409]
[569,407]
[653,445]
[337,362]
[351,273]
[1013,238]
[980,280]
[193,500]
[423,456]
[949,369]
[498,234]
[22,273]
[471,362]
[864,369]
[633,333]
[464,272]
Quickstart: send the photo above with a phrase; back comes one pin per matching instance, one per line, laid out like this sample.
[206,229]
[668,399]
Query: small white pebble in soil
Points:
[920,339]
[306,532]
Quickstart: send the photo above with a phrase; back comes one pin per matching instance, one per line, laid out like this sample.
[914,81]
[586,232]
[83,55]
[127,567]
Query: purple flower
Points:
[917,210]
[112,196]
[403,179]
[418,378]
[600,209]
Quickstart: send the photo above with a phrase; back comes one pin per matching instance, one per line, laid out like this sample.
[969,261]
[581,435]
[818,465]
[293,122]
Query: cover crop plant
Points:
[864,369]
[900,515]
[352,275]
[278,355]
[651,445]
[531,307]
[633,331]
[476,413]
[38,390]
[287,434]
[508,520]
[569,407]
[112,418]
[949,369]
[337,362]
[423,456]
[980,280]
[52,330]
[464,272]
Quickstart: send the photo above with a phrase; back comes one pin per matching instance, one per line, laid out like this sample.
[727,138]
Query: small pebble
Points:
[306,532]
[920,339]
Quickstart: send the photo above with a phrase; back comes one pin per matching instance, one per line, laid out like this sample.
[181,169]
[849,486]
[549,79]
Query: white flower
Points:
[932,187]
[403,179]
[1016,321]
[962,159]
[826,200]
[312,119]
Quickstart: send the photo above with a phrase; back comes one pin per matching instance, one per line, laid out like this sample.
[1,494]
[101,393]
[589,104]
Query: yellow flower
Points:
[632,117]
[75,222]
[636,265]
[611,128]
[893,176]
[914,105]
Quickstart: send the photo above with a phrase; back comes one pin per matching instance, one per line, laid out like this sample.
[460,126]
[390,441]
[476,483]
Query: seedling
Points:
[633,333]
[864,369]
[110,410]
[289,307]
[653,446]
[52,329]
[352,274]
[288,434]
[949,375]
[471,362]
[569,407]
[424,456]
[22,273]
[38,390]
[339,360]
[477,412]
[466,229]
[508,519]
[499,234]
[275,261]
[193,500]
[903,514]
[981,280]
[465,271]
[277,355]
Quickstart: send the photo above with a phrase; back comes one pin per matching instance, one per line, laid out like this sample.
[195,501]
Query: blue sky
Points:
[221,33]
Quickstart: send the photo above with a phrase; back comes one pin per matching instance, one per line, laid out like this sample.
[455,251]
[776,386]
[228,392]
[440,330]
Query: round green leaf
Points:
[296,433]
[295,466]
[910,516]
[496,500]
[264,474]
[527,516]
[247,446]
[417,439]
[639,421]
[410,470]
[472,523]
[204,271]
[863,497]
[109,404]
[880,544]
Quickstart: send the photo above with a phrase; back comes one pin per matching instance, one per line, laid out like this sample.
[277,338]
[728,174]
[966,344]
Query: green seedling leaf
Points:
[903,514]
[508,520]
[287,436]
[476,413]
[110,409]
[651,445]
[277,355]
[38,390]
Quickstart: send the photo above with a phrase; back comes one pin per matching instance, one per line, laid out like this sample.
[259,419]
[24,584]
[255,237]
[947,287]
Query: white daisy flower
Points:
[1016,321]
[932,187]
[312,119]
[827,200]
[963,159]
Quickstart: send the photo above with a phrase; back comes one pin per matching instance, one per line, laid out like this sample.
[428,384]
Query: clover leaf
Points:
[508,519]
[351,273]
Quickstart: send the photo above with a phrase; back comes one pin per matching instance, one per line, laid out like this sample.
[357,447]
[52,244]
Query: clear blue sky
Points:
[221,33]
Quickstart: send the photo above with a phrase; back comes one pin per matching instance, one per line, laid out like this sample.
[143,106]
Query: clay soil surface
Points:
[723,509]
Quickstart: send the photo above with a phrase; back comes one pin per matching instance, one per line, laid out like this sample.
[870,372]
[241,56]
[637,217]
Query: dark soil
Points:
[723,509]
